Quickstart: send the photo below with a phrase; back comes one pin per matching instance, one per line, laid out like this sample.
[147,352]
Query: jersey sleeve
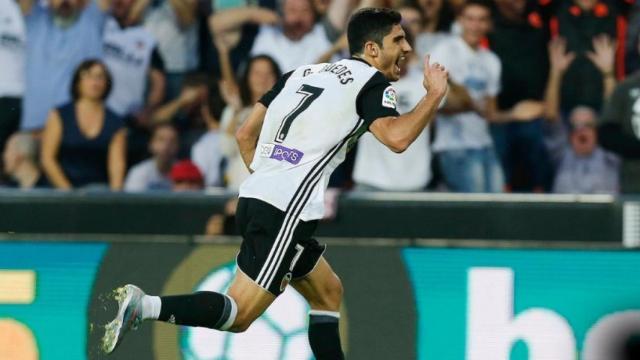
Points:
[377,99]
[268,97]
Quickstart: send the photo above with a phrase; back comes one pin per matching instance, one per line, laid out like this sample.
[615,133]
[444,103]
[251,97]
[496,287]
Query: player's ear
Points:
[371,49]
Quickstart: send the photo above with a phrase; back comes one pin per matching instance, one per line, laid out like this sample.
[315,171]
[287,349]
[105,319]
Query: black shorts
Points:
[274,252]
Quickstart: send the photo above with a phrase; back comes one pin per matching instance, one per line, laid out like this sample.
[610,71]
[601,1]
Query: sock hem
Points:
[232,315]
[334,314]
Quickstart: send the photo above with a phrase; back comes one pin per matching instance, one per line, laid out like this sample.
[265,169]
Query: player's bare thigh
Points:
[321,288]
[252,300]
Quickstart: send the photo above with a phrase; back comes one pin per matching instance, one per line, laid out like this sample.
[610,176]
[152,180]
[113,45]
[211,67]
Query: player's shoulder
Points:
[351,72]
[306,70]
[379,88]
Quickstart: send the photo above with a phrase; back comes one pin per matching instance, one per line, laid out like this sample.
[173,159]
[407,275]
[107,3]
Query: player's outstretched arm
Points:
[249,132]
[397,133]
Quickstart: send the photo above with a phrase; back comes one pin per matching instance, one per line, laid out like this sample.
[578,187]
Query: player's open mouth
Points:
[400,60]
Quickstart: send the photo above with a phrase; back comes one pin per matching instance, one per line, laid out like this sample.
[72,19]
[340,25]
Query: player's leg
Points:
[323,290]
[235,311]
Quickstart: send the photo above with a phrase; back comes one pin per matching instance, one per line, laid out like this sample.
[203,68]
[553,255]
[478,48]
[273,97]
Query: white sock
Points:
[151,307]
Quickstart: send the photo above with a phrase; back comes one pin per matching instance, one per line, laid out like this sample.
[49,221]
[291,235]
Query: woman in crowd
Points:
[83,142]
[259,76]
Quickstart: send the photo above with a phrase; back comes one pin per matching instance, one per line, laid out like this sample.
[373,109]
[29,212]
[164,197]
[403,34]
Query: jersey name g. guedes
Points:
[315,114]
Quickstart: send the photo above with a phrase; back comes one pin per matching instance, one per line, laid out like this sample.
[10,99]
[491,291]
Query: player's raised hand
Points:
[435,77]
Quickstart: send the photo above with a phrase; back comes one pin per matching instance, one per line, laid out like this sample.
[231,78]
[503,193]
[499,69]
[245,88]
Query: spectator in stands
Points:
[187,112]
[12,58]
[620,129]
[467,157]
[378,169]
[61,35]
[174,25]
[84,143]
[20,162]
[206,152]
[298,41]
[411,19]
[591,30]
[131,54]
[186,176]
[632,61]
[584,167]
[437,17]
[260,75]
[225,223]
[581,166]
[153,173]
[520,143]
[555,128]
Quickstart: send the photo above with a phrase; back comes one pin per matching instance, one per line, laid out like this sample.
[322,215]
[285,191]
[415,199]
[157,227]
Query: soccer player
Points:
[294,138]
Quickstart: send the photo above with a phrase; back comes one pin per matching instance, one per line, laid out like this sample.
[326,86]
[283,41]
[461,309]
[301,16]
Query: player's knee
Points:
[335,292]
[242,322]
[331,296]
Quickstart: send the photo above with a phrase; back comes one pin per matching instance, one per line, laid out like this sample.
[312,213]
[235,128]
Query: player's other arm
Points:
[248,133]
[398,132]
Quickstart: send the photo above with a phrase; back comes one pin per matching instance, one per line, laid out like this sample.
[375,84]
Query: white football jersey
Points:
[127,53]
[315,114]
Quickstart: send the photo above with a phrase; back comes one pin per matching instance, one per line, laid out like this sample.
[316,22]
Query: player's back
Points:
[305,135]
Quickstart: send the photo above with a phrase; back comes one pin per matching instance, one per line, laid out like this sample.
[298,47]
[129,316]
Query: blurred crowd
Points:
[146,95]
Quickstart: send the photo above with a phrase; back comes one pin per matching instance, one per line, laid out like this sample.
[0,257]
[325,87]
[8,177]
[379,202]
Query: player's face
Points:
[476,23]
[393,53]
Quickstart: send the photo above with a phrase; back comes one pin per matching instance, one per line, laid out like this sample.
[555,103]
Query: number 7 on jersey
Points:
[309,94]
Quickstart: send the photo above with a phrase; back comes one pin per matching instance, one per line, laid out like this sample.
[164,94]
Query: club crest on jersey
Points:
[285,281]
[280,153]
[389,97]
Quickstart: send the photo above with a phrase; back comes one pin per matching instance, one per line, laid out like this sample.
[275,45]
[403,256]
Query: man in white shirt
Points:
[295,137]
[62,34]
[12,49]
[153,173]
[206,152]
[297,40]
[174,23]
[467,157]
[131,54]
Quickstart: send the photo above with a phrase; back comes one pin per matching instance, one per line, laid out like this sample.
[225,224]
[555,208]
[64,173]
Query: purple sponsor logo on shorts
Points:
[292,156]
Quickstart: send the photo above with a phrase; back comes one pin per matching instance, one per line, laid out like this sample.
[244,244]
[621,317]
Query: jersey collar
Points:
[360,59]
